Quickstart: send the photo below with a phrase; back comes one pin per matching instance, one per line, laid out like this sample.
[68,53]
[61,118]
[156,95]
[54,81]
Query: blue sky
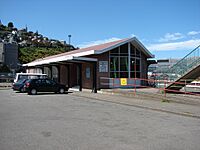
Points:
[168,28]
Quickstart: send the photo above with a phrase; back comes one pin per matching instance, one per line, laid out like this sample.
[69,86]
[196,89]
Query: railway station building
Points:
[97,67]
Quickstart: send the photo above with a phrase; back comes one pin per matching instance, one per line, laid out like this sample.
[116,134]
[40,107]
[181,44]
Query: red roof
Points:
[103,46]
[95,48]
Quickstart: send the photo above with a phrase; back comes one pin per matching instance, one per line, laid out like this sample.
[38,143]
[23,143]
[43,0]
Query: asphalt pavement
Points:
[86,121]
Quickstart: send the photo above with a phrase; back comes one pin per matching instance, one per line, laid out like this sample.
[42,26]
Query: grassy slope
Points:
[28,54]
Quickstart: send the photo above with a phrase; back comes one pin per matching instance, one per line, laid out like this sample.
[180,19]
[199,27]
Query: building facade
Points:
[162,65]
[99,66]
[9,54]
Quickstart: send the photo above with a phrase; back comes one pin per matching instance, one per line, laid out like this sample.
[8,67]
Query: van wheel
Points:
[33,92]
[61,91]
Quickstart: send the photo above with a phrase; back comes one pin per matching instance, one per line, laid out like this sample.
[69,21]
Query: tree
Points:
[4,68]
[10,25]
[2,27]
[36,33]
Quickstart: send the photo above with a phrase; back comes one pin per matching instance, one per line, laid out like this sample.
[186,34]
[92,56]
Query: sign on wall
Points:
[103,66]
[87,72]
[123,81]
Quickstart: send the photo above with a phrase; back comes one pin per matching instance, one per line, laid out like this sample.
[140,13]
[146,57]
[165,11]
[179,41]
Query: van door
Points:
[50,86]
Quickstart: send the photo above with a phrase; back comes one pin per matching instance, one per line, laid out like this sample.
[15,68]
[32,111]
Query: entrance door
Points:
[76,76]
[79,77]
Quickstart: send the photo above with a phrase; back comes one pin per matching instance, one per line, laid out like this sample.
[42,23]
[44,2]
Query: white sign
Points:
[103,66]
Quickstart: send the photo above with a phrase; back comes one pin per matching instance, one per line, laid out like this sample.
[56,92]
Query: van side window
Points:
[38,82]
[21,76]
[50,82]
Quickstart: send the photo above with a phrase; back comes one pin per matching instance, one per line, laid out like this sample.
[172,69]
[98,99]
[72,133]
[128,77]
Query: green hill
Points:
[32,45]
[28,54]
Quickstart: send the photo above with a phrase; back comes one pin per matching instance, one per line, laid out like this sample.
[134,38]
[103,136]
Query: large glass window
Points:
[115,52]
[123,63]
[137,53]
[124,50]
[135,67]
[114,74]
[133,53]
[114,64]
[119,62]
[135,73]
[123,74]
[132,64]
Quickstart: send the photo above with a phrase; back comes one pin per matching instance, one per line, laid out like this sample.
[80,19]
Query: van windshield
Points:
[22,77]
[22,80]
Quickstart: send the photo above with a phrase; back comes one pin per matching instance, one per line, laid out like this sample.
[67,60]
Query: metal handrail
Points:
[188,62]
[185,57]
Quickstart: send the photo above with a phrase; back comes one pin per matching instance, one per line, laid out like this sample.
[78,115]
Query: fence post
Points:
[165,88]
[185,87]
[113,82]
[134,86]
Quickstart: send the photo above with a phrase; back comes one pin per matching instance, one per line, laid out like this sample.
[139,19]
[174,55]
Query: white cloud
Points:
[132,35]
[193,33]
[184,45]
[92,43]
[171,37]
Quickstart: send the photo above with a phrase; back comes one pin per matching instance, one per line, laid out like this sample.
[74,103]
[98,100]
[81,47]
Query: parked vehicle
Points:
[33,86]
[20,76]
[19,86]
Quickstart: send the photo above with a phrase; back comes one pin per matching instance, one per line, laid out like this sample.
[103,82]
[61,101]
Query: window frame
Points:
[130,56]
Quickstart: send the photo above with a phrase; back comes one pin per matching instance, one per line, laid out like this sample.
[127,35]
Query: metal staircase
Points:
[184,71]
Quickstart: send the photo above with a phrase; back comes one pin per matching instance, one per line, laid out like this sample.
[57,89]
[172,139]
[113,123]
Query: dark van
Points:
[33,86]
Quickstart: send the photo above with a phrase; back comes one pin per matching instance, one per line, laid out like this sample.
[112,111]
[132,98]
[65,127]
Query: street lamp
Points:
[69,36]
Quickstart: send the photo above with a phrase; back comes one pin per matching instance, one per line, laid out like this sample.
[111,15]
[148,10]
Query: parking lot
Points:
[67,121]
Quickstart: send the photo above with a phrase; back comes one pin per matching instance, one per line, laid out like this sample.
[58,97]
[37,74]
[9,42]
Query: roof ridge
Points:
[106,43]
